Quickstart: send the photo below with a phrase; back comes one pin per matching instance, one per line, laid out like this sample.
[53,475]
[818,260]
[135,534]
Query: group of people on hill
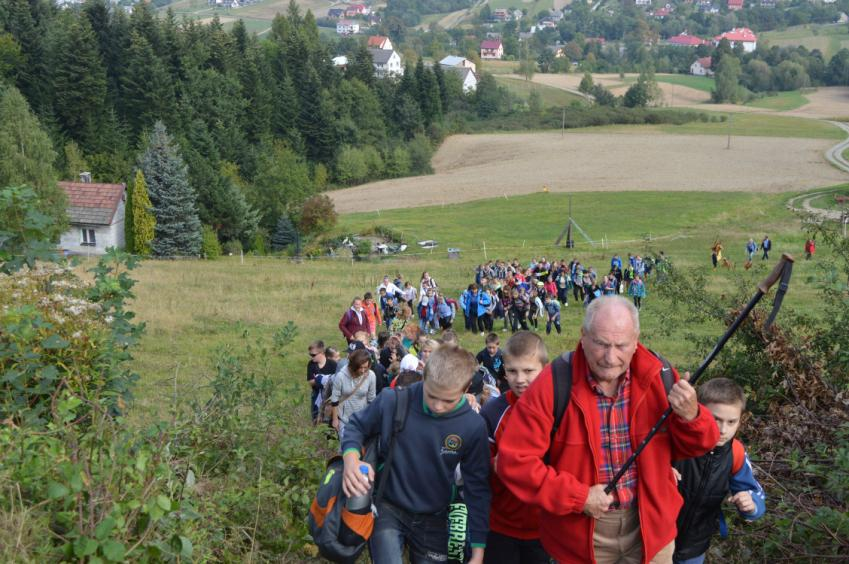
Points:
[531,462]
[521,296]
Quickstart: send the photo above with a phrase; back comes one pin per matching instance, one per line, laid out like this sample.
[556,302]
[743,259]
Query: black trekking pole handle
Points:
[781,271]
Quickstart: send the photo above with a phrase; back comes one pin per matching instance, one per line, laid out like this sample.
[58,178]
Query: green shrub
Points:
[210,247]
[232,248]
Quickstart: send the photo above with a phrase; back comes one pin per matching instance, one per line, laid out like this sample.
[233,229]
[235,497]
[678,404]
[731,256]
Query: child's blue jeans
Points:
[695,560]
[426,536]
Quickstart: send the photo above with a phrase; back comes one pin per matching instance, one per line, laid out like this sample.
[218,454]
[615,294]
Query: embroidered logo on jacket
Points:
[451,444]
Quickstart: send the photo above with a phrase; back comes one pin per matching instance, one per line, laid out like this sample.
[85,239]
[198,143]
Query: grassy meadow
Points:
[828,38]
[781,101]
[550,96]
[194,308]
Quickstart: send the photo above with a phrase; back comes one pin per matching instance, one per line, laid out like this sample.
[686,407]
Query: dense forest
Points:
[262,125]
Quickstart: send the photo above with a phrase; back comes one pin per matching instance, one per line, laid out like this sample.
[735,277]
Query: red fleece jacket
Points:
[560,490]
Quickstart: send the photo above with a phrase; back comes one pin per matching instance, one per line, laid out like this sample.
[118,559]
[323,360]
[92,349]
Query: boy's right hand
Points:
[597,502]
[354,482]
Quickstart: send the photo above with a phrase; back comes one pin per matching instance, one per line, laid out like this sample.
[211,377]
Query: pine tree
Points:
[79,84]
[146,90]
[144,222]
[178,229]
[284,234]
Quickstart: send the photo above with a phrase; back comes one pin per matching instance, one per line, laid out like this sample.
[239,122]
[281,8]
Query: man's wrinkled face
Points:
[610,343]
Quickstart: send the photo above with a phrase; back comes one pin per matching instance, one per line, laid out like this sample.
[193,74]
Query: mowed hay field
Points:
[194,308]
[472,167]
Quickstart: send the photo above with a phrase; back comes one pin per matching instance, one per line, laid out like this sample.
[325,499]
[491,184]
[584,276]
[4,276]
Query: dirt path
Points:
[472,167]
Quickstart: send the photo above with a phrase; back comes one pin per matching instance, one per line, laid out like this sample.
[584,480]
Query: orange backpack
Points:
[329,515]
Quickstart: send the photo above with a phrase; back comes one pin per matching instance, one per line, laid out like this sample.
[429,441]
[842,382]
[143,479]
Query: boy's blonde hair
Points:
[361,336]
[525,343]
[450,367]
[722,390]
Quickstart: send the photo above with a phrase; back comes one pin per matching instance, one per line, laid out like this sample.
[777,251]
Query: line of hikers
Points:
[486,431]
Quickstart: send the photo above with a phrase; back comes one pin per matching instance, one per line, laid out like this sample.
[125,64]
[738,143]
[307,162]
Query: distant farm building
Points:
[742,35]
[96,213]
[701,67]
[492,49]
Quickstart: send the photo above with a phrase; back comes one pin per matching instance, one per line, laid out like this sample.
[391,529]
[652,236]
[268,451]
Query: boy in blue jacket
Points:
[441,432]
[706,481]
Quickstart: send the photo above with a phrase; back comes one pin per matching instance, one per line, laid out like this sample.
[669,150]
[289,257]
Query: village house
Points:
[464,68]
[379,42]
[742,35]
[355,10]
[663,12]
[501,14]
[459,62]
[96,213]
[734,5]
[492,49]
[686,40]
[701,67]
[387,63]
[336,13]
[767,3]
[347,27]
[642,2]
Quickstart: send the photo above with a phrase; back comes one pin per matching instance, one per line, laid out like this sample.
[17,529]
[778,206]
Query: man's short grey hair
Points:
[604,301]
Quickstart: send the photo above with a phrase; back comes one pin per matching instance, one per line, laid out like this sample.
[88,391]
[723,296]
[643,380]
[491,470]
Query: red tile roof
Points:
[705,62]
[743,34]
[491,44]
[377,40]
[92,203]
[687,40]
[735,3]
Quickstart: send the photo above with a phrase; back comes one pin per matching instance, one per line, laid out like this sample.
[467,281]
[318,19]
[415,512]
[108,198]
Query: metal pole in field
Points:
[728,146]
[563,124]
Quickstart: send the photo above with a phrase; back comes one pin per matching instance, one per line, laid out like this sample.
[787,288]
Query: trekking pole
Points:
[782,271]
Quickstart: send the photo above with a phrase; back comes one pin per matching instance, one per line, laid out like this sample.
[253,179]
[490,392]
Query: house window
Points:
[88,238]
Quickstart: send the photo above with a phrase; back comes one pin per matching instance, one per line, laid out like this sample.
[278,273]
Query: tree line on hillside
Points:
[262,126]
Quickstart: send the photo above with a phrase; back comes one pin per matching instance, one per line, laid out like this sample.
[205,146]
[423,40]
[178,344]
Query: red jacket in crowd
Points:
[560,490]
[351,322]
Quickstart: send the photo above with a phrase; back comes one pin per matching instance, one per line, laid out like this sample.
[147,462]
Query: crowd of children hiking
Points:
[530,475]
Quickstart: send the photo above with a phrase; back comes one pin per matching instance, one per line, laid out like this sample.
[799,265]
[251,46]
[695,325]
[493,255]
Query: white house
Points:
[96,212]
[455,61]
[387,63]
[347,27]
[742,35]
[467,77]
[701,67]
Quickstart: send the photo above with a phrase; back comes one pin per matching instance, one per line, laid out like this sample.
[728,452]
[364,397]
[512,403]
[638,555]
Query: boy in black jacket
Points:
[441,432]
[705,482]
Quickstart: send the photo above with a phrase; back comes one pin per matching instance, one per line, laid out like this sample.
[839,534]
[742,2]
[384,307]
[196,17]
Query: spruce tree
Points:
[284,234]
[178,229]
[144,222]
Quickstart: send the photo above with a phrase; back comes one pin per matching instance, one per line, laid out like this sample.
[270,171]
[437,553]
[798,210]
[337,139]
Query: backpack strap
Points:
[738,456]
[666,374]
[561,376]
[399,418]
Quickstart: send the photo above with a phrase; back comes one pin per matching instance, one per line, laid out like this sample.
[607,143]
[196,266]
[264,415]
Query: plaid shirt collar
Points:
[596,388]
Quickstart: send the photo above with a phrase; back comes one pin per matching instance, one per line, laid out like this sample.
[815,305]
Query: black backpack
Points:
[561,375]
[328,513]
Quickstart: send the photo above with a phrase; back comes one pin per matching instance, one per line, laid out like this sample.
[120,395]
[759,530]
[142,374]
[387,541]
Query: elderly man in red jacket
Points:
[617,396]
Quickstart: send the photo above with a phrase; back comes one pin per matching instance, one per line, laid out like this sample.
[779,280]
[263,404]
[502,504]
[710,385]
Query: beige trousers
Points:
[617,540]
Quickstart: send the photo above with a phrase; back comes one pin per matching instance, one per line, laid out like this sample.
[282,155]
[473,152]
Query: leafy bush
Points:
[233,247]
[210,247]
[796,375]
[318,215]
